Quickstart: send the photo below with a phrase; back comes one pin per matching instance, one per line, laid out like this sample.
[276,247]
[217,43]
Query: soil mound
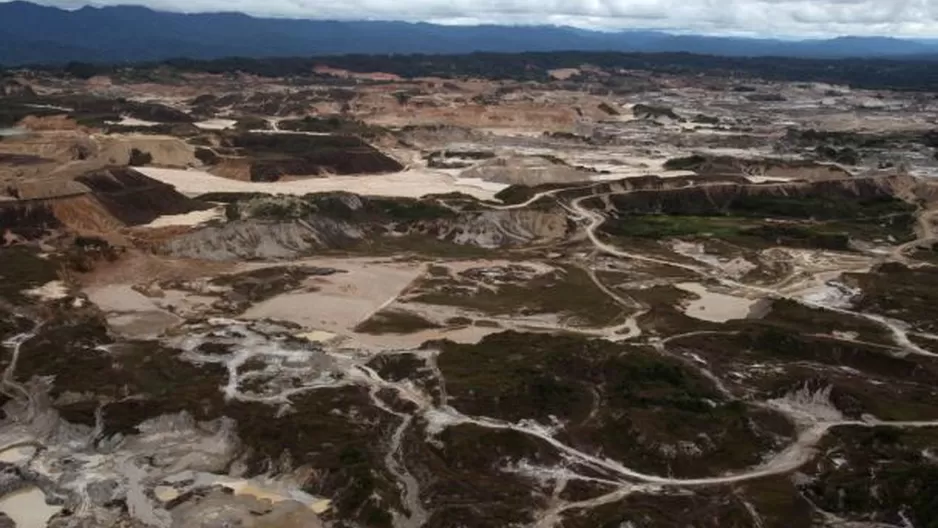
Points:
[163,151]
[260,239]
[52,122]
[497,229]
[135,199]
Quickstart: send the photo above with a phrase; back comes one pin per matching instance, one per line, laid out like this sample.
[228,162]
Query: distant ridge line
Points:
[36,34]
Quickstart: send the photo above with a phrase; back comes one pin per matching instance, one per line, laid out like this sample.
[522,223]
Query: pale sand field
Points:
[713,306]
[412,184]
[342,300]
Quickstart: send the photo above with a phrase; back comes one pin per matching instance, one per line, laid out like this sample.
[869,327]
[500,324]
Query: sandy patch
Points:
[274,495]
[831,293]
[736,267]
[260,488]
[17,455]
[317,336]
[136,267]
[165,493]
[411,183]
[131,313]
[120,298]
[507,131]
[342,300]
[562,74]
[188,219]
[28,508]
[712,306]
[766,179]
[216,124]
[142,325]
[466,334]
[49,291]
[133,122]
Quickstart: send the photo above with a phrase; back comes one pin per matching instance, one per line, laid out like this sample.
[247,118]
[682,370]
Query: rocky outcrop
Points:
[259,239]
[287,227]
[496,229]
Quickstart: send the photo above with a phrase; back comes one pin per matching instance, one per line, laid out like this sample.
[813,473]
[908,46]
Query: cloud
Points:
[908,18]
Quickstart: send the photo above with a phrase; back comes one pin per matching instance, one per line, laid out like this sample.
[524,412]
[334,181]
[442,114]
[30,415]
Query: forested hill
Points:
[34,34]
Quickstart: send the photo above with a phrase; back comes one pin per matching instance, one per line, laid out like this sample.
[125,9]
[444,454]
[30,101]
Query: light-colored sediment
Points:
[188,219]
[216,124]
[131,313]
[133,122]
[338,302]
[28,508]
[410,183]
[49,291]
[713,306]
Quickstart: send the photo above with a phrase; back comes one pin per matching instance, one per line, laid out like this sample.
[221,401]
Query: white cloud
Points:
[908,18]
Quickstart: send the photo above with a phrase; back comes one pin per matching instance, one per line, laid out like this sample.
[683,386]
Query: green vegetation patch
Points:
[567,291]
[394,322]
[747,228]
[877,474]
[468,462]
[896,291]
[862,378]
[797,318]
[265,283]
[704,508]
[12,111]
[742,231]
[339,206]
[625,402]
[21,268]
[761,342]
[819,206]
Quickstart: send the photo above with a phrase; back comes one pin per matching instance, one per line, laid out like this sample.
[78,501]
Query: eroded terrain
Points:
[611,299]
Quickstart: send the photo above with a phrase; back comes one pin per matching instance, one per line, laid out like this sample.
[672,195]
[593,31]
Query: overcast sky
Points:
[795,18]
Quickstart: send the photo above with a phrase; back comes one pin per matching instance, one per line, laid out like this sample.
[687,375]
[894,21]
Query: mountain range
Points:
[36,34]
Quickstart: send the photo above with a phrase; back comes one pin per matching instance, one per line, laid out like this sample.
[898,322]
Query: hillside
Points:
[33,34]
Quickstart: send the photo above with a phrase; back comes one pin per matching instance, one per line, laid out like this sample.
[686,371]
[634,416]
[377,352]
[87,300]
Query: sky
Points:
[759,18]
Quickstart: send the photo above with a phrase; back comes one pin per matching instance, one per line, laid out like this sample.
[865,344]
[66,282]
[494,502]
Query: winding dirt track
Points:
[438,414]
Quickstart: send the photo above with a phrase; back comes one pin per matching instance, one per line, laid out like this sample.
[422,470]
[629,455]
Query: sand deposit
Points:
[216,124]
[339,302]
[188,219]
[49,291]
[131,313]
[411,183]
[712,306]
[133,122]
[28,508]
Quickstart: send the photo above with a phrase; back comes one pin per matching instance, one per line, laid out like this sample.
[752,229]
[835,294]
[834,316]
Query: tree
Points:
[81,70]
